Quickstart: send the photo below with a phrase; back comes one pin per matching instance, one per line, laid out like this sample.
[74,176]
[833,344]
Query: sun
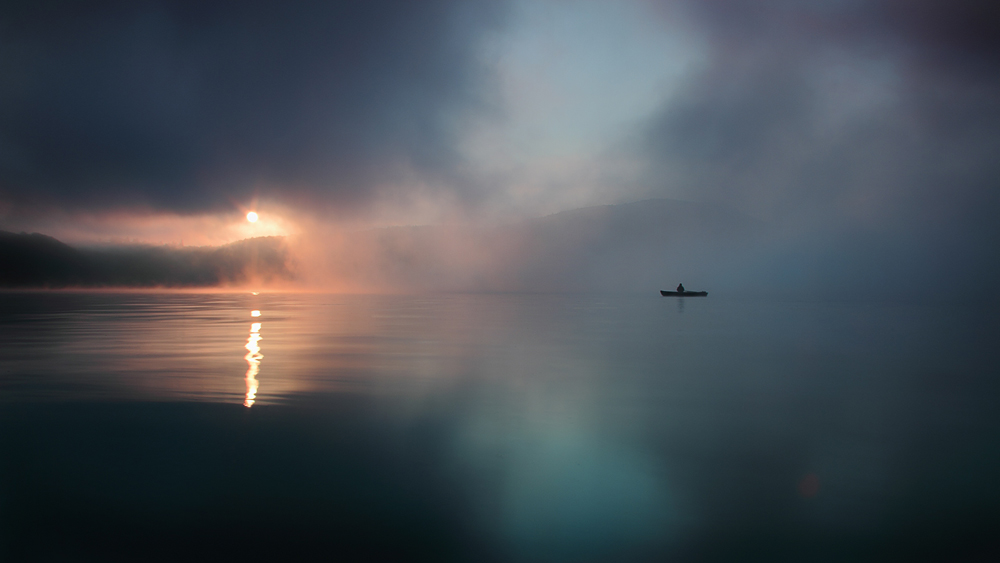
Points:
[252,217]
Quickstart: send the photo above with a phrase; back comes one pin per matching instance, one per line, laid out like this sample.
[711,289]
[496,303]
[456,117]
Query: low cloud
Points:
[195,106]
[872,108]
[870,128]
[863,133]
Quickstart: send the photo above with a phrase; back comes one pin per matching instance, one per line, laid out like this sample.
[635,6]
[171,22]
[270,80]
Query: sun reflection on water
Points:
[253,358]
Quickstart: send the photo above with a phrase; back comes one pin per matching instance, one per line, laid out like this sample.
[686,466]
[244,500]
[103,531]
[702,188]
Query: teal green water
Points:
[495,427]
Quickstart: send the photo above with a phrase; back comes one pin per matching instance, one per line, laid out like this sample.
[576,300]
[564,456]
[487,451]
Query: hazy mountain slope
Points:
[630,247]
[634,246]
[35,260]
[642,246]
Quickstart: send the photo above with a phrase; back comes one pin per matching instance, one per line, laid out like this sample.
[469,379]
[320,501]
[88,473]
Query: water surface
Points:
[168,426]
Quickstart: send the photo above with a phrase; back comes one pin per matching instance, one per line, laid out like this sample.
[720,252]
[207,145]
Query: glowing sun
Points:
[252,217]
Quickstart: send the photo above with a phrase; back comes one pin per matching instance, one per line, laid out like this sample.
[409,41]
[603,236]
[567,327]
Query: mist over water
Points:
[495,427]
[510,182]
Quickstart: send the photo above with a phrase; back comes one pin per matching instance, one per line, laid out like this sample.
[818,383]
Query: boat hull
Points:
[683,293]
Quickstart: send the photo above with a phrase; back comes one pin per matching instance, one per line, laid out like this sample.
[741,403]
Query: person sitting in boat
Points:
[680,288]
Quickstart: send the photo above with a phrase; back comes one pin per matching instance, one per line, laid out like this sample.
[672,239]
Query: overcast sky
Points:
[131,116]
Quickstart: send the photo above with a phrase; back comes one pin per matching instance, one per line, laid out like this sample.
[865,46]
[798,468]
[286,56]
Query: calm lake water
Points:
[208,427]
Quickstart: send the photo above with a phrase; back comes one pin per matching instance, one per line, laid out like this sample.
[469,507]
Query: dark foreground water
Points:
[180,427]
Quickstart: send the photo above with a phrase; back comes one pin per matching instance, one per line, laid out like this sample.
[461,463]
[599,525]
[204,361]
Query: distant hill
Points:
[631,247]
[39,261]
[636,247]
[642,246]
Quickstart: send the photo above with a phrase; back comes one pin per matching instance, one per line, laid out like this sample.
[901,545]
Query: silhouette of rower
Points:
[680,288]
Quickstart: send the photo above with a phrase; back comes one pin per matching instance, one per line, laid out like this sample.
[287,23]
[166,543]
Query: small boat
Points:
[683,293]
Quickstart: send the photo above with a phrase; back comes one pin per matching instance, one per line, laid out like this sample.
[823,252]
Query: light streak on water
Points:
[253,358]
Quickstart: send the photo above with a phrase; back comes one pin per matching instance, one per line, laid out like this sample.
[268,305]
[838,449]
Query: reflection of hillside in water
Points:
[253,358]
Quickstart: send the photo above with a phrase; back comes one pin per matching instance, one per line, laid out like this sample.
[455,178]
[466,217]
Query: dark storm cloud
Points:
[190,105]
[851,104]
[869,129]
